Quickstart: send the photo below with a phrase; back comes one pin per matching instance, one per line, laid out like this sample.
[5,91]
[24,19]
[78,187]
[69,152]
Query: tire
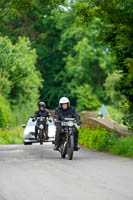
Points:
[44,137]
[41,136]
[63,150]
[27,143]
[70,147]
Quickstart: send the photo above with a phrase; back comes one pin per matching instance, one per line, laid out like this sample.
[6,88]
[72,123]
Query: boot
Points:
[56,148]
[76,147]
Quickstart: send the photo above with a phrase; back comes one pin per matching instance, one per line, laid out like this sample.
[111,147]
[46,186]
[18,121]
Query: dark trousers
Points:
[45,130]
[59,132]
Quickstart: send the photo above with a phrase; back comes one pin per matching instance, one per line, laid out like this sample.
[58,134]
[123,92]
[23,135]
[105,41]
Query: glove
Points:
[77,126]
[49,119]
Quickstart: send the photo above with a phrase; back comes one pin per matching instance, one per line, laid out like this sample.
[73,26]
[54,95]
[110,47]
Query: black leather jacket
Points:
[70,112]
[43,113]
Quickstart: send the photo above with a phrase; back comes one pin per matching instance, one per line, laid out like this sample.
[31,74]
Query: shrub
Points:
[123,146]
[101,140]
[128,121]
[98,139]
[6,118]
[13,136]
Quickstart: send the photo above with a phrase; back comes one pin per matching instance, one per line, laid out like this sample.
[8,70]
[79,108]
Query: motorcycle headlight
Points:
[70,123]
[41,126]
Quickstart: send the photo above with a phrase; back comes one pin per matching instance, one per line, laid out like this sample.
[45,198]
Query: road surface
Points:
[38,173]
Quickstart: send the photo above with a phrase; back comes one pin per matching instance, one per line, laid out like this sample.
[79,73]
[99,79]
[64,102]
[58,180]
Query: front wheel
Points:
[70,147]
[63,150]
[41,136]
[27,143]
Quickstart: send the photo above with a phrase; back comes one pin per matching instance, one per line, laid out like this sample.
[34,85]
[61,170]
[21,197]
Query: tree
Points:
[117,32]
[90,60]
[86,100]
[18,76]
[116,98]
[37,21]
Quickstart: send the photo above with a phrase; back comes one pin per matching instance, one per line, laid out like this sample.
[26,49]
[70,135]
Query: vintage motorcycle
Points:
[67,139]
[41,121]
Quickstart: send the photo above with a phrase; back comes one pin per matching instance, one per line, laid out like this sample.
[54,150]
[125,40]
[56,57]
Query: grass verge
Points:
[13,136]
[101,140]
[116,115]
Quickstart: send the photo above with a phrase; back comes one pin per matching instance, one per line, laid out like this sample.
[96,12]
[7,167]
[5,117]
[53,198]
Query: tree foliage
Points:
[111,84]
[19,79]
[117,18]
[78,45]
[86,100]
[90,61]
[6,118]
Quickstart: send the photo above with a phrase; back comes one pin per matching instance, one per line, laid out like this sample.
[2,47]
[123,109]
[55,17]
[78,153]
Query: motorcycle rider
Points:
[65,111]
[42,112]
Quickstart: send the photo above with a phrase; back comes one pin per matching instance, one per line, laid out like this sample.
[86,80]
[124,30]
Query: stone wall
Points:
[106,123]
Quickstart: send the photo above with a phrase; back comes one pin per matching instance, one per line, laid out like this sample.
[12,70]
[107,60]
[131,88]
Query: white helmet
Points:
[64,100]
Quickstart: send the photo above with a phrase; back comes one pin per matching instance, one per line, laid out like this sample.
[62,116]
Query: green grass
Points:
[13,136]
[101,140]
[123,147]
[116,115]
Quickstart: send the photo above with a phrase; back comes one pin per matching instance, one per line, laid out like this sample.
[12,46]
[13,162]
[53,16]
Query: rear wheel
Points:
[70,147]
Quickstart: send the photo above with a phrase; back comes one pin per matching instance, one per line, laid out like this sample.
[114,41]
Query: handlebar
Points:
[67,123]
[43,118]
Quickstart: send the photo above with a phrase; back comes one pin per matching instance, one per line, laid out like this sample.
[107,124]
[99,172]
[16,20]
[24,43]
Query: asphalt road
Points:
[38,173]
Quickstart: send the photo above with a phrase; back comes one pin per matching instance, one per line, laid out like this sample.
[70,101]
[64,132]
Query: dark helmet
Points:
[41,104]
